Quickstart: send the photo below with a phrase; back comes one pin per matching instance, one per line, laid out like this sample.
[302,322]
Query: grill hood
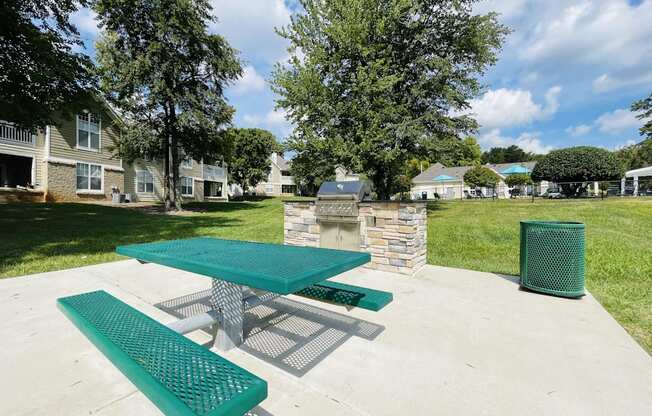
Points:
[351,190]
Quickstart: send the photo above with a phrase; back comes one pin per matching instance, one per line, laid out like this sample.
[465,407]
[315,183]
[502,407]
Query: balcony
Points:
[9,133]
[214,173]
[287,180]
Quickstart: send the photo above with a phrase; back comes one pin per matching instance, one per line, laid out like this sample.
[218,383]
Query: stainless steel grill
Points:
[340,199]
[337,214]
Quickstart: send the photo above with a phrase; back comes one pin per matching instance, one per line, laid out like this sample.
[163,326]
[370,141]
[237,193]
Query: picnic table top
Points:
[273,267]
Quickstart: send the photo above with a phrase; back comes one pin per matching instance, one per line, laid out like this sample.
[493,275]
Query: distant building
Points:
[344,175]
[279,181]
[439,181]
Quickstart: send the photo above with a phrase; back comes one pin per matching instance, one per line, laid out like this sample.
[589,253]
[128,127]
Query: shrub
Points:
[518,179]
[481,176]
[573,166]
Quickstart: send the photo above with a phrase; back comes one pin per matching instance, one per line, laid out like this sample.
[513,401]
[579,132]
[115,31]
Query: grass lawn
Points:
[478,235]
[484,235]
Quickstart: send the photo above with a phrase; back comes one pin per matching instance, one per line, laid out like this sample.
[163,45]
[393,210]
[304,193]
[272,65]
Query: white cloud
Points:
[608,31]
[528,141]
[84,21]
[508,108]
[249,27]
[274,120]
[606,82]
[579,130]
[250,81]
[617,121]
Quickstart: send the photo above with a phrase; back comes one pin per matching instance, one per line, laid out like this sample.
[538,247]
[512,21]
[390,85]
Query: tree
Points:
[249,163]
[573,166]
[644,106]
[312,164]
[414,167]
[42,77]
[375,80]
[510,154]
[166,74]
[637,155]
[451,151]
[518,179]
[481,176]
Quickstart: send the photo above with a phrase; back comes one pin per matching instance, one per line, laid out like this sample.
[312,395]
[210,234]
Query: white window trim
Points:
[89,148]
[90,191]
[193,186]
[152,175]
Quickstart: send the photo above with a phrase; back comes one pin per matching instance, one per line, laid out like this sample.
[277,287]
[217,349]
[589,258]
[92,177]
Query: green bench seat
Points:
[349,295]
[177,375]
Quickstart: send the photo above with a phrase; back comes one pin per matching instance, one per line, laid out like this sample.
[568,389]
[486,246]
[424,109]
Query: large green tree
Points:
[164,71]
[41,77]
[452,151]
[375,80]
[249,162]
[573,166]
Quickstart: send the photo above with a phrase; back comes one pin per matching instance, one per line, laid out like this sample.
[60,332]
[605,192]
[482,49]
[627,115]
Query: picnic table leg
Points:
[227,297]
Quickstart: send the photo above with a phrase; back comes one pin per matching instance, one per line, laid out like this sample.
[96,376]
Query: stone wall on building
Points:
[20,195]
[62,183]
[393,232]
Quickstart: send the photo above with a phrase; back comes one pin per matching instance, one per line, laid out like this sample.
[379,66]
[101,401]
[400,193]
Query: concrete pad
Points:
[452,342]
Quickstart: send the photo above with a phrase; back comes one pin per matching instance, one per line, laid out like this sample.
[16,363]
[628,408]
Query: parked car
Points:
[552,194]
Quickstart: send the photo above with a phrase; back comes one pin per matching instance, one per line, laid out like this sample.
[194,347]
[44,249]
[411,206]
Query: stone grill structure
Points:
[393,232]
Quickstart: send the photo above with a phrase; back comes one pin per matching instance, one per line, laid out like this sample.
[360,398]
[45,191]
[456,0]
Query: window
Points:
[186,186]
[288,189]
[269,188]
[89,177]
[186,162]
[144,182]
[88,131]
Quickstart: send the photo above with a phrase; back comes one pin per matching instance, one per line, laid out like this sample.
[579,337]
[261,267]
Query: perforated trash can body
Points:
[552,257]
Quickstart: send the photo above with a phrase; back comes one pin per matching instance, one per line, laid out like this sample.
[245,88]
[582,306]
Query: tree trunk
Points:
[174,156]
[166,178]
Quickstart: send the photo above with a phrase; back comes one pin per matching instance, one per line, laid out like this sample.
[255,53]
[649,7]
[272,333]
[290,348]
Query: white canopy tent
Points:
[636,173]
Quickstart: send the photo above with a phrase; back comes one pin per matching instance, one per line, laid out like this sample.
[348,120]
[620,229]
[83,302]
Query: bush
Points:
[518,179]
[573,166]
[481,176]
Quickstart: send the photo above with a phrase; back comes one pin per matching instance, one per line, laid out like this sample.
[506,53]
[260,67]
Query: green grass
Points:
[478,235]
[484,235]
[43,237]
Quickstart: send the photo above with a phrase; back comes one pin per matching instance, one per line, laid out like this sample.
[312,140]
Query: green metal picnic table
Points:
[237,267]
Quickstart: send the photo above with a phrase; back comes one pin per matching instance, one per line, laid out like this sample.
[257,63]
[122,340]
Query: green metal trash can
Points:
[552,257]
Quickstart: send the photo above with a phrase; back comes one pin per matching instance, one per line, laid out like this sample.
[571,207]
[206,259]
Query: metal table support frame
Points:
[229,301]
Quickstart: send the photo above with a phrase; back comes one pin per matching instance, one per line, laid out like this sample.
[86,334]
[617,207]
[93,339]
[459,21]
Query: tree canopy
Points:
[249,162]
[518,179]
[452,151]
[372,81]
[644,108]
[574,165]
[481,176]
[510,154]
[159,65]
[636,156]
[42,77]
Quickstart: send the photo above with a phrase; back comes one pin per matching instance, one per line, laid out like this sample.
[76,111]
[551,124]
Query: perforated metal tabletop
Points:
[272,267]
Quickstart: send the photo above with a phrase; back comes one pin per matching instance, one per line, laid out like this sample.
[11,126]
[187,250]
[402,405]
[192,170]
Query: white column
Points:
[622,187]
[635,185]
[596,188]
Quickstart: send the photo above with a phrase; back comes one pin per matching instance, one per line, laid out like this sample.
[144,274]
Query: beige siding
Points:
[157,170]
[63,142]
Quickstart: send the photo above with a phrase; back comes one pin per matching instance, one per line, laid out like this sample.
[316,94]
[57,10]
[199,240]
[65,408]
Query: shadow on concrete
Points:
[258,411]
[287,334]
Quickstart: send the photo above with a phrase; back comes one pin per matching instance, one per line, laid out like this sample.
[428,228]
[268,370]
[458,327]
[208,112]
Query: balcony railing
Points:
[14,135]
[287,180]
[214,173]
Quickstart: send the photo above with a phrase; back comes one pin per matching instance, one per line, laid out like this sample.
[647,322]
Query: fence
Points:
[600,189]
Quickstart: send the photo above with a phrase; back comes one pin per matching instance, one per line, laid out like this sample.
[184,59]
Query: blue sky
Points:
[566,75]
